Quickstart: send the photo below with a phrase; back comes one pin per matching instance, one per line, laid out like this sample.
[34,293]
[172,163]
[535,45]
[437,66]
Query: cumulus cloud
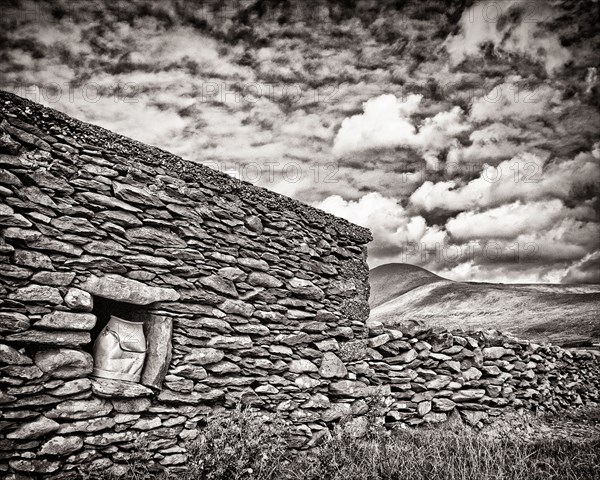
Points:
[392,226]
[386,123]
[525,177]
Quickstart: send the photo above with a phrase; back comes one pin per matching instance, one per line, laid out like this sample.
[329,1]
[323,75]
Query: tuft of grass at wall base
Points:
[245,446]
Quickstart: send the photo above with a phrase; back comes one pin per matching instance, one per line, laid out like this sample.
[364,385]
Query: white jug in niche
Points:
[120,350]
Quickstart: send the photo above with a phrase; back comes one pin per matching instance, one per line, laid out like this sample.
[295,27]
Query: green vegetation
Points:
[243,446]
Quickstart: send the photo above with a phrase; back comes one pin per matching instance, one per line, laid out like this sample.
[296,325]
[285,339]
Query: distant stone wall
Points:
[429,375]
[246,296]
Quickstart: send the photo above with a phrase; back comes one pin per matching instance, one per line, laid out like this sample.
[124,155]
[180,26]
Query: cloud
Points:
[511,26]
[507,221]
[392,226]
[525,177]
[586,270]
[386,123]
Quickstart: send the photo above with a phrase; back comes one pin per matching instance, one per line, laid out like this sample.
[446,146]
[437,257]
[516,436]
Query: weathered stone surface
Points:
[13,322]
[37,293]
[204,356]
[133,405]
[332,366]
[26,372]
[72,387]
[192,398]
[67,321]
[154,236]
[80,300]
[55,279]
[494,353]
[11,356]
[34,465]
[230,342]
[35,429]
[104,387]
[158,330]
[336,412]
[237,307]
[260,279]
[80,409]
[468,395]
[64,362]
[122,289]
[61,445]
[302,366]
[220,284]
[30,258]
[305,288]
[137,195]
[51,337]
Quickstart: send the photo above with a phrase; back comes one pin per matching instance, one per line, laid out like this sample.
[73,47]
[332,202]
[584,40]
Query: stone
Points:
[471,373]
[494,353]
[261,279]
[443,404]
[13,322]
[204,356]
[433,417]
[158,330]
[137,195]
[72,387]
[64,363]
[237,307]
[57,338]
[302,366]
[424,407]
[192,398]
[108,202]
[253,263]
[80,409]
[35,429]
[468,395]
[305,288]
[122,289]
[37,293]
[11,356]
[348,388]
[61,445]
[336,412]
[34,465]
[220,284]
[55,279]
[379,340]
[230,342]
[33,259]
[67,321]
[473,417]
[77,299]
[147,423]
[405,357]
[332,366]
[154,237]
[26,372]
[191,371]
[107,388]
[131,405]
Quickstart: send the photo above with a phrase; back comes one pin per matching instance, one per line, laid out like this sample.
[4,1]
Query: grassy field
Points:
[243,446]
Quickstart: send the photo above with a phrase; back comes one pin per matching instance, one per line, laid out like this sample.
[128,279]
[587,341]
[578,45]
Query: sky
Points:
[465,135]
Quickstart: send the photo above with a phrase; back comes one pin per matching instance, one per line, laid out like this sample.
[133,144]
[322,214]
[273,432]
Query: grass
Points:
[243,446]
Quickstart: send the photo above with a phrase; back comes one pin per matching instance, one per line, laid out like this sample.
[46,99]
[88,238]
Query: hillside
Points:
[567,315]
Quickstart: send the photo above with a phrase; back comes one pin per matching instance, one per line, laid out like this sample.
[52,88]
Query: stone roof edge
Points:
[83,132]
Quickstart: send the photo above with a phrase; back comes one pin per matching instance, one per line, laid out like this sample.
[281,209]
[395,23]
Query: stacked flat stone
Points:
[257,291]
[434,374]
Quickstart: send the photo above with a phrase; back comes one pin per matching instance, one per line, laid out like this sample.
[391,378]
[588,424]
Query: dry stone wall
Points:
[246,297]
[430,375]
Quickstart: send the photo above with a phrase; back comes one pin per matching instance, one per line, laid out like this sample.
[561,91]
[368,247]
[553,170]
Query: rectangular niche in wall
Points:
[130,343]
